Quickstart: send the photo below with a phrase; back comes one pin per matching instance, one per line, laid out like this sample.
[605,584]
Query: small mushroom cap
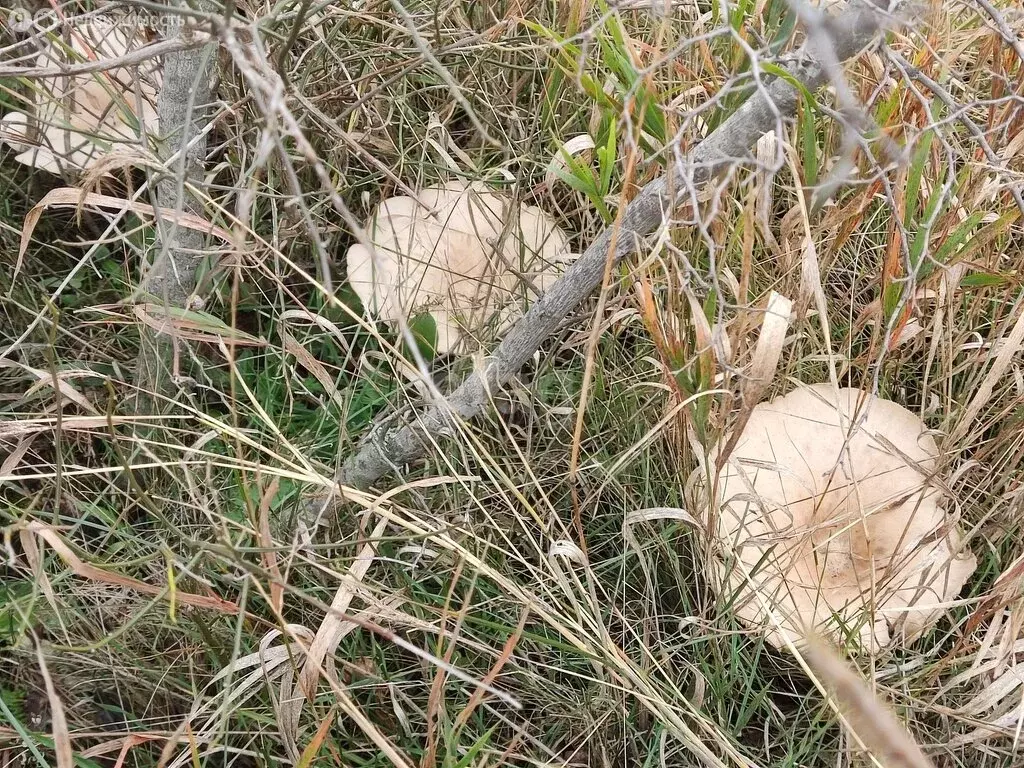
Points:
[826,505]
[461,253]
[14,130]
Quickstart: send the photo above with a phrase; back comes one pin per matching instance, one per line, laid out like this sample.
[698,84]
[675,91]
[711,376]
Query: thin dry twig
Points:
[129,59]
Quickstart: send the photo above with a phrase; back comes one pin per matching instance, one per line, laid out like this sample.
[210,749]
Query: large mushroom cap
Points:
[827,520]
[460,252]
[76,120]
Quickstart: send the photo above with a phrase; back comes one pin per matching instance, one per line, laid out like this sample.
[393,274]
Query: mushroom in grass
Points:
[829,519]
[465,254]
[75,120]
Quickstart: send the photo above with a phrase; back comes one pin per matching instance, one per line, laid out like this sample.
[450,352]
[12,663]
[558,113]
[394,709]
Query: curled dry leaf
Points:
[460,252]
[826,520]
[577,145]
[74,121]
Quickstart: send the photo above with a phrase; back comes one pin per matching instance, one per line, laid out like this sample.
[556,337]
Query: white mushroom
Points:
[461,252]
[76,120]
[827,520]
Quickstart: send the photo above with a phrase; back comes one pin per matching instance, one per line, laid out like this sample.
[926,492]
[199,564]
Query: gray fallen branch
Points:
[727,146]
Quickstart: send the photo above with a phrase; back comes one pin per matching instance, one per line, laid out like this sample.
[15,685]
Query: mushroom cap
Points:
[449,254]
[78,119]
[826,505]
[14,131]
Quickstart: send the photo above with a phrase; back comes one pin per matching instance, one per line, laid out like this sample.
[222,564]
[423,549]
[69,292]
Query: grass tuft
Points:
[460,619]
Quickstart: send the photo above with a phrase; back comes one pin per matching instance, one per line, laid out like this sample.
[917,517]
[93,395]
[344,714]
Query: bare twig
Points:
[129,59]
[723,149]
[961,114]
[1008,35]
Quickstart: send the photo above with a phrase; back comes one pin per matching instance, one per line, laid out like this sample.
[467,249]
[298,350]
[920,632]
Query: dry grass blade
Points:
[311,364]
[761,372]
[58,720]
[267,542]
[14,458]
[333,625]
[192,325]
[31,427]
[313,748]
[1008,350]
[661,513]
[53,380]
[506,653]
[102,576]
[871,721]
[122,746]
[72,197]
[36,563]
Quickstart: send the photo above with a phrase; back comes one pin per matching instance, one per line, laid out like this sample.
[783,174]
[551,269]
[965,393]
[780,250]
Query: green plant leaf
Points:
[475,749]
[891,299]
[424,331]
[606,159]
[983,280]
[914,175]
[774,69]
[952,244]
[809,142]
